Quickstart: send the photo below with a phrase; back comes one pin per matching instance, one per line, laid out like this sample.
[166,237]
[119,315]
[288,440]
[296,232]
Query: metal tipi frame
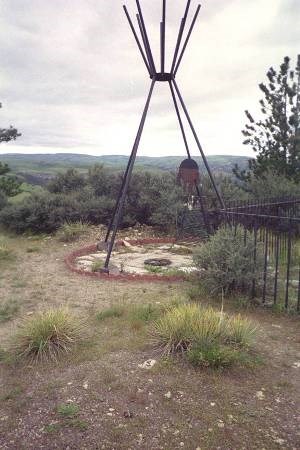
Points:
[156,76]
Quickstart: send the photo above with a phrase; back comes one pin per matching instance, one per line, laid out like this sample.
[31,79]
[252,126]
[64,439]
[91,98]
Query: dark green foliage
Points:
[214,355]
[226,261]
[10,185]
[3,200]
[40,213]
[67,182]
[8,134]
[275,138]
[153,199]
[4,169]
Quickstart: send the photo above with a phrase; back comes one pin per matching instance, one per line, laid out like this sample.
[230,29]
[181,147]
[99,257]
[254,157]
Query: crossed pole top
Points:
[145,47]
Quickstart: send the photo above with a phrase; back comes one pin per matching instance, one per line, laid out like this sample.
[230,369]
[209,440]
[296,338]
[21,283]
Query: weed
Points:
[52,428]
[97,265]
[68,410]
[140,315]
[12,394]
[214,356]
[154,269]
[112,312]
[79,424]
[8,310]
[71,231]
[46,335]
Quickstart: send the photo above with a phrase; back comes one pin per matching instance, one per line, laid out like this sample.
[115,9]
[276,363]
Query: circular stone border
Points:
[70,262]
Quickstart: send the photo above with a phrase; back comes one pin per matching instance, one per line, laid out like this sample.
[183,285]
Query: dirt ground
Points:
[120,405]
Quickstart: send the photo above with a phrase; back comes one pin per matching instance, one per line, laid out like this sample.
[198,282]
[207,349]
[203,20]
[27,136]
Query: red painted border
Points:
[70,262]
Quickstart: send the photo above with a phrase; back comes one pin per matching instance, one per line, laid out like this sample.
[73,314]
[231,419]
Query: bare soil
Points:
[121,406]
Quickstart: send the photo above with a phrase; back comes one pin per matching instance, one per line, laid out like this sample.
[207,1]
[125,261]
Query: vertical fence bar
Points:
[276,268]
[289,251]
[298,302]
[265,267]
[253,293]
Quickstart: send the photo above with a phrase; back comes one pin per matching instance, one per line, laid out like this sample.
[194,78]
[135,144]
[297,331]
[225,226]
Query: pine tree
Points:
[275,138]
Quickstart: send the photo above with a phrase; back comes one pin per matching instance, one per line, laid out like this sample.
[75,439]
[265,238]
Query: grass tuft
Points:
[112,312]
[6,254]
[241,331]
[68,410]
[210,338]
[70,232]
[46,335]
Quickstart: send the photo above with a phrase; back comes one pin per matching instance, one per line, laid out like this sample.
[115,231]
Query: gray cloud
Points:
[72,79]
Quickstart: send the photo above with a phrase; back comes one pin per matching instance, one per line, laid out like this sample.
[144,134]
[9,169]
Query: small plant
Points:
[8,310]
[46,335]
[241,331]
[140,315]
[112,312]
[97,265]
[154,269]
[214,356]
[69,232]
[6,253]
[68,410]
[226,261]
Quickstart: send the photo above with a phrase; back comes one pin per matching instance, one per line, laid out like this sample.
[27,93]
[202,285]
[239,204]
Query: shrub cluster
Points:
[153,199]
[226,261]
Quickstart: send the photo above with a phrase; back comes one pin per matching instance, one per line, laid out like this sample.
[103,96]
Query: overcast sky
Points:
[72,80]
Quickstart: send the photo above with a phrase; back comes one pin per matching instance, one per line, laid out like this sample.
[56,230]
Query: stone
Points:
[147,364]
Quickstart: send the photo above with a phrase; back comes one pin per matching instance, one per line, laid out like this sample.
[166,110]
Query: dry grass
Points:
[47,335]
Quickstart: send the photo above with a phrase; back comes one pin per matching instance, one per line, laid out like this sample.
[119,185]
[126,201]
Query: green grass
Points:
[210,338]
[47,335]
[33,249]
[68,410]
[70,232]
[113,311]
[8,310]
[97,265]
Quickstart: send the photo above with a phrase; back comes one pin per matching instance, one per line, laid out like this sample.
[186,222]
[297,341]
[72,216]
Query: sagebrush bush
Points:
[71,231]
[209,337]
[226,261]
[46,335]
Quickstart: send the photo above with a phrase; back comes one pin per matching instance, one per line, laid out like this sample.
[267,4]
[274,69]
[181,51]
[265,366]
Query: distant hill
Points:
[39,168]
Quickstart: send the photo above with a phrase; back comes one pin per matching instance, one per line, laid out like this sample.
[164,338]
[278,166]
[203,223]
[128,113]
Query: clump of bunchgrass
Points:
[241,331]
[69,232]
[208,337]
[113,311]
[185,324]
[8,310]
[48,334]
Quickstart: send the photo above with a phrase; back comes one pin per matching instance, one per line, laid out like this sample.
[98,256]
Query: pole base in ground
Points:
[104,270]
[102,246]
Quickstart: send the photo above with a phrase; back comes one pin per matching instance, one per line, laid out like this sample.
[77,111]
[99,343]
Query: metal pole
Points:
[179,120]
[137,39]
[181,30]
[145,33]
[163,37]
[147,48]
[187,39]
[199,146]
[127,180]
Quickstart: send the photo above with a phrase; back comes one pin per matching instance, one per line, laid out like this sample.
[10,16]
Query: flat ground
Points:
[119,405]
